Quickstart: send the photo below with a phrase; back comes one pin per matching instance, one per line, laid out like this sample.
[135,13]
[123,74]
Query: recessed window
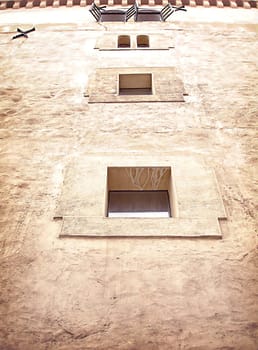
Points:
[135,84]
[123,41]
[139,192]
[143,41]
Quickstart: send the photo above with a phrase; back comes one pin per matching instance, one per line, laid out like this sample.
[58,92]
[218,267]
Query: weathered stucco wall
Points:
[126,294]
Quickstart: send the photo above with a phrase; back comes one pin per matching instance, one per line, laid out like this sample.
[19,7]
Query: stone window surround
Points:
[166,85]
[109,41]
[82,204]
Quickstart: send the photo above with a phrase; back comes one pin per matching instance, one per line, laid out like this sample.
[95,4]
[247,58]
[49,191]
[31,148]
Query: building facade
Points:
[128,169]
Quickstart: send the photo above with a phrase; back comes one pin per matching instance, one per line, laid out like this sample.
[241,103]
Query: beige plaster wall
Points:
[126,293]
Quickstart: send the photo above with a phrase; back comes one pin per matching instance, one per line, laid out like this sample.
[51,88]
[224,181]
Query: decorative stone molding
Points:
[246,5]
[233,4]
[16,4]
[192,3]
[43,4]
[56,3]
[29,4]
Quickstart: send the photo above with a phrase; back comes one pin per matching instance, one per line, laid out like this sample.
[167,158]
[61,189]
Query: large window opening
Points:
[135,84]
[144,192]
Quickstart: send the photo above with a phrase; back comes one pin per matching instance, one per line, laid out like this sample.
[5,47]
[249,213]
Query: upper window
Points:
[123,41]
[134,41]
[143,41]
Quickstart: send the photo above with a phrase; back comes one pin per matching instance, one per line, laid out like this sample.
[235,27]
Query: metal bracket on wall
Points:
[23,33]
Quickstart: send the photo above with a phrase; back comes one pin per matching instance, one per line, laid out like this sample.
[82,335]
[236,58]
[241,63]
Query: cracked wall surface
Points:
[131,293]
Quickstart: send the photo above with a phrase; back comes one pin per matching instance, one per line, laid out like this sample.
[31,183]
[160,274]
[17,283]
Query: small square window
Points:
[139,192]
[135,84]
[143,41]
[124,41]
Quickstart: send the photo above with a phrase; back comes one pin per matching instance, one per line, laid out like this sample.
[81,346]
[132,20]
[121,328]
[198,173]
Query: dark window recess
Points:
[143,41]
[139,204]
[123,41]
[135,84]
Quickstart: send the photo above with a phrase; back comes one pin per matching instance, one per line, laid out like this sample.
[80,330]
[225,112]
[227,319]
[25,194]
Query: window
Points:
[139,192]
[86,205]
[123,41]
[143,41]
[126,40]
[135,84]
